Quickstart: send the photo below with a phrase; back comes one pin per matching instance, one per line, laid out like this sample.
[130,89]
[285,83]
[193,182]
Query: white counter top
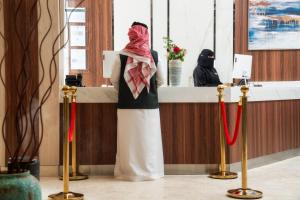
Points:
[270,91]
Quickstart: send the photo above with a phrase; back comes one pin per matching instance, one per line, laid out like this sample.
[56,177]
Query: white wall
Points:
[191,27]
[160,24]
[224,40]
[126,12]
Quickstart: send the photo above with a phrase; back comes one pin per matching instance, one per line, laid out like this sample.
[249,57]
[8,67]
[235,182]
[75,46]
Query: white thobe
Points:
[139,144]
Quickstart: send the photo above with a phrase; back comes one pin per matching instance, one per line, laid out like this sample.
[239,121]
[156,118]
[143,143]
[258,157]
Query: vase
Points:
[19,186]
[175,71]
[33,167]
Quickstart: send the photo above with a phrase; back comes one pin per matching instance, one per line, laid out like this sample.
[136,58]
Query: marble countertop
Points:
[269,91]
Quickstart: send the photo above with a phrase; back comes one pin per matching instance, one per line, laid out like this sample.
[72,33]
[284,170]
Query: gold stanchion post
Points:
[75,175]
[222,173]
[66,194]
[244,192]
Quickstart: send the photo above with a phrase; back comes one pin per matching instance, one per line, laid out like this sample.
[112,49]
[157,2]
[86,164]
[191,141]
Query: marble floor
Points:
[278,181]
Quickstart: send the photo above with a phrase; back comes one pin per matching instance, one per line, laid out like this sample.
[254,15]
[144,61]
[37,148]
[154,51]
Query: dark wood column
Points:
[21,67]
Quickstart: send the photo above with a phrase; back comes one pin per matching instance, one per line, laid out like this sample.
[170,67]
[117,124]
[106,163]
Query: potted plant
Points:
[21,136]
[175,56]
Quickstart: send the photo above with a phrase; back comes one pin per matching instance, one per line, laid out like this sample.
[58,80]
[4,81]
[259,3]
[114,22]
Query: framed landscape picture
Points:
[273,24]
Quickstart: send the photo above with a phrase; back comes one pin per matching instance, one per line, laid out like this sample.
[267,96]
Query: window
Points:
[77,39]
[89,33]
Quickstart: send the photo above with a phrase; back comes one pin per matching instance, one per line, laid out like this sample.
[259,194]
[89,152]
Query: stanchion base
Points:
[244,193]
[223,175]
[76,177]
[66,196]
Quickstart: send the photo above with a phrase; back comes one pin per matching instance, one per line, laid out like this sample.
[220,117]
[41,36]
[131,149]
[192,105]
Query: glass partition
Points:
[190,25]
[193,25]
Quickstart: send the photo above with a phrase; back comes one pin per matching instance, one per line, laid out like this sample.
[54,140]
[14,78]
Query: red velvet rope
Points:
[225,125]
[72,122]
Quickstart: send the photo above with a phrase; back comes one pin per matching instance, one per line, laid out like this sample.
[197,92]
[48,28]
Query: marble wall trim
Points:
[266,160]
[190,169]
[49,171]
[179,169]
[108,170]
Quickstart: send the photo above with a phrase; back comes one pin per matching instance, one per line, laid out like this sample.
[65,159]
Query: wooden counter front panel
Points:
[272,127]
[96,128]
[190,131]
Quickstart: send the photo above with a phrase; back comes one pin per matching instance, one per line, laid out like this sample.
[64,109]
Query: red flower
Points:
[176,49]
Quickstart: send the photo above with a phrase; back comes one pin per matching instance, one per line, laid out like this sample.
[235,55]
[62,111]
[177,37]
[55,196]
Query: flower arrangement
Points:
[174,52]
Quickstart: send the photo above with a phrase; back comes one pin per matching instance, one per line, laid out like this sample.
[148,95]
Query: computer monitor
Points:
[108,61]
[242,66]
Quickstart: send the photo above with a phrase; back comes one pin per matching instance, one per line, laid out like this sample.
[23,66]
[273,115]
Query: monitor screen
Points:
[242,66]
[108,61]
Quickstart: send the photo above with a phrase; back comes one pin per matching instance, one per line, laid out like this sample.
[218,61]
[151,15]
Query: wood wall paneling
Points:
[268,65]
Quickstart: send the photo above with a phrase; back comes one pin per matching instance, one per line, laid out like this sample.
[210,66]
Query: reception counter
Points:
[190,128]
[262,91]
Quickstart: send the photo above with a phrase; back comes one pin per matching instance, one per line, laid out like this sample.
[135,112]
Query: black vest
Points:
[145,100]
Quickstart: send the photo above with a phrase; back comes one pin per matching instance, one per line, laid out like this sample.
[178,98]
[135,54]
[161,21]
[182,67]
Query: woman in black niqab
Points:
[205,74]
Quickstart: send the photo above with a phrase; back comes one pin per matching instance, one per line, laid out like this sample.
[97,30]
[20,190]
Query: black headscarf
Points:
[206,59]
[205,74]
[139,23]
